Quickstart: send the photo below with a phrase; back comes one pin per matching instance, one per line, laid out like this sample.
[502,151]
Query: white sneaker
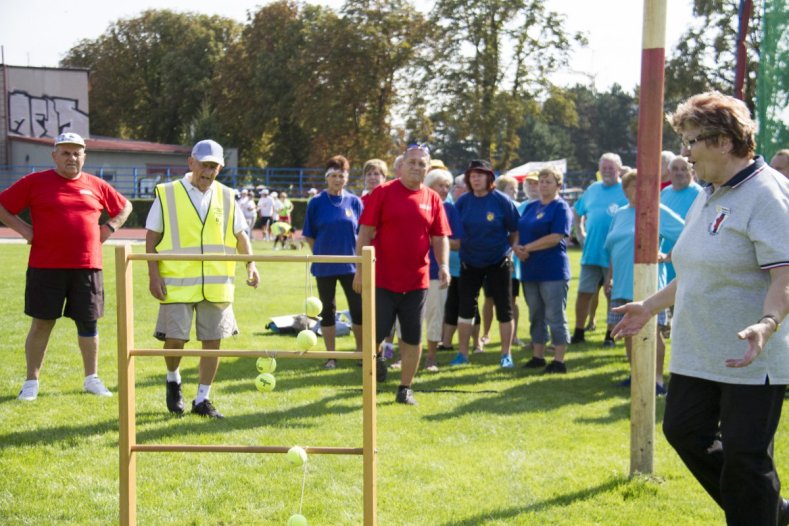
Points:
[94,385]
[29,392]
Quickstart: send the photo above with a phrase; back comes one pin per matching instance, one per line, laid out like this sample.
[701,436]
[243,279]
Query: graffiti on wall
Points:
[44,115]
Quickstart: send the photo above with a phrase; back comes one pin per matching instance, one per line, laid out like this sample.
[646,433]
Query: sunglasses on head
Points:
[417,146]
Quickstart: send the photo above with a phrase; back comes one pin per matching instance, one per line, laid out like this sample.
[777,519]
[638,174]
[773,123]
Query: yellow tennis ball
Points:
[313,306]
[265,382]
[297,520]
[266,364]
[306,340]
[297,456]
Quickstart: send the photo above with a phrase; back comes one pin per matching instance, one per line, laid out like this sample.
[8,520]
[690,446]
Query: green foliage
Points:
[298,83]
[579,124]
[150,75]
[483,98]
[306,83]
[484,446]
[706,56]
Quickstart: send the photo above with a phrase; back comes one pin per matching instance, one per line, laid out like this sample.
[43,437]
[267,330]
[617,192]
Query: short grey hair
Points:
[398,162]
[667,156]
[610,156]
[438,175]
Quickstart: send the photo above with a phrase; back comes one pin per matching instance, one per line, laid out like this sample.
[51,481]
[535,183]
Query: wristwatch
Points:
[775,321]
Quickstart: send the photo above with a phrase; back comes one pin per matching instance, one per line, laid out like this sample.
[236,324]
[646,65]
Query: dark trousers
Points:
[724,435]
[497,277]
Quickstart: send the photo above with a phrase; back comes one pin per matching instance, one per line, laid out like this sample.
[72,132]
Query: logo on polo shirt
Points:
[612,208]
[348,212]
[490,217]
[425,207]
[721,216]
[86,191]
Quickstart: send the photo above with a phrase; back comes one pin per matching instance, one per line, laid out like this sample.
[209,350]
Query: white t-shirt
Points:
[266,206]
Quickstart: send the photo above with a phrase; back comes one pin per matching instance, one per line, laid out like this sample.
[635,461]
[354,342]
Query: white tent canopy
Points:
[519,172]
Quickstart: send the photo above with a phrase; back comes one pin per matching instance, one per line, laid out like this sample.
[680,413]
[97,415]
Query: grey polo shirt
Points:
[732,238]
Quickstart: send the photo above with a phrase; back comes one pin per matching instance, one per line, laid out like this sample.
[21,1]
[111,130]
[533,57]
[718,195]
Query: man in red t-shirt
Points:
[65,264]
[406,219]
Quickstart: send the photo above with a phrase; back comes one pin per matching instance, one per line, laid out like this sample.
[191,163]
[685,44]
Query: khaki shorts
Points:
[214,321]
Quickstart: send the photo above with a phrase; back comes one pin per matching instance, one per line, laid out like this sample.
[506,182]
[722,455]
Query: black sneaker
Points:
[555,367]
[783,513]
[405,395]
[578,337]
[609,342]
[442,347]
[534,363]
[206,408]
[175,400]
[380,371]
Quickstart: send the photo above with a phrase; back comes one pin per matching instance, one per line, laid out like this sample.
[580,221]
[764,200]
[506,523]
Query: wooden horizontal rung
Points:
[194,448]
[221,353]
[244,257]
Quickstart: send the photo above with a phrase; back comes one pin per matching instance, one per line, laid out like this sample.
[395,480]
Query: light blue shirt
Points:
[679,202]
[620,244]
[598,203]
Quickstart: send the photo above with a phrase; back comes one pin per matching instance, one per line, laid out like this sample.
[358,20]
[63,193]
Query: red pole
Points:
[746,7]
[650,133]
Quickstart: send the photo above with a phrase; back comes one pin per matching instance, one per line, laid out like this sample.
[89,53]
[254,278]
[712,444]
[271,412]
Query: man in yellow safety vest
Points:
[196,215]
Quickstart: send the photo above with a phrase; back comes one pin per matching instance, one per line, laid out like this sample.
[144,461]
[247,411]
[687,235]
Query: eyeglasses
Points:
[417,146]
[688,143]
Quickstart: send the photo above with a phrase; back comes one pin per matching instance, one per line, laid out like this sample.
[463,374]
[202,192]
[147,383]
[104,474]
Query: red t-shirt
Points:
[404,221]
[65,215]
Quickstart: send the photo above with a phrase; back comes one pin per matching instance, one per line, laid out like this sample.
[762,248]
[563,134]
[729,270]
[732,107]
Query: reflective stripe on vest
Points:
[185,233]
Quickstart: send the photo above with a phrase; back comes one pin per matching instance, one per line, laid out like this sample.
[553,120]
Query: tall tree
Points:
[483,85]
[151,75]
[706,56]
[304,83]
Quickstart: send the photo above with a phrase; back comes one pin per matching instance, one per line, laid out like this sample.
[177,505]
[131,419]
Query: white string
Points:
[307,280]
[303,483]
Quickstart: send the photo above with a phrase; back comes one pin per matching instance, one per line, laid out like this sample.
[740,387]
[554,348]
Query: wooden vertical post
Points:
[650,135]
[126,398]
[369,387]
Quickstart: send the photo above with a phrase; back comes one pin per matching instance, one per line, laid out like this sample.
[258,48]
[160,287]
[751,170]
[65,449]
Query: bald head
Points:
[781,161]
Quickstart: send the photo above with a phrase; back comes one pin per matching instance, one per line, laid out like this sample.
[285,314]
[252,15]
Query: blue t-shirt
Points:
[487,223]
[620,244]
[516,263]
[333,222]
[457,232]
[598,203]
[679,202]
[537,221]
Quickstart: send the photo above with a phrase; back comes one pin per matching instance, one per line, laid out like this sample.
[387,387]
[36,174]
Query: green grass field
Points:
[484,446]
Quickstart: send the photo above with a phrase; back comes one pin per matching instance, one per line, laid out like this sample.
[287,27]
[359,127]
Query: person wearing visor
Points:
[330,228]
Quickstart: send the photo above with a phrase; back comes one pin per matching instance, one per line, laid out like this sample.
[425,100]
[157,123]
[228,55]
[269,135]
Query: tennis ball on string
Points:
[297,520]
[306,340]
[313,306]
[297,456]
[265,364]
[265,382]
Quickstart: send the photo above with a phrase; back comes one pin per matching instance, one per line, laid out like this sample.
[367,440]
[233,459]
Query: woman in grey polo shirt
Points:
[730,357]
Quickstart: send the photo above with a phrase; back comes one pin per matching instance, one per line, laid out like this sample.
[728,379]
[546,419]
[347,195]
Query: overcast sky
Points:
[40,32]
